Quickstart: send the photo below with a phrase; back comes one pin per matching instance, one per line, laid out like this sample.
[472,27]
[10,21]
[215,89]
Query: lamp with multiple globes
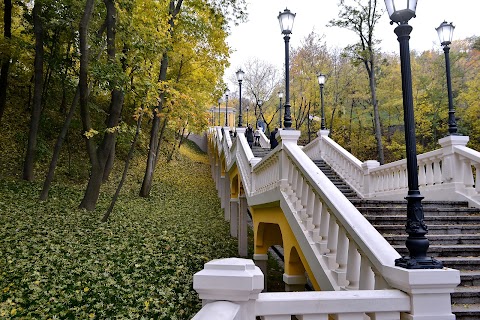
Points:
[240,75]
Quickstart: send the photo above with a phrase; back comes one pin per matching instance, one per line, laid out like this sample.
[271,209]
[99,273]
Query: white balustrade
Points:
[343,250]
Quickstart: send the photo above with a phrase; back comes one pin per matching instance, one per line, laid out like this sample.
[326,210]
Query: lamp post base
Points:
[417,263]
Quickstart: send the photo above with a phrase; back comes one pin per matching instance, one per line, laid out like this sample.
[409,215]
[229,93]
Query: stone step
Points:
[466,311]
[428,211]
[464,263]
[466,295]
[445,239]
[360,203]
[470,278]
[439,250]
[433,229]
[429,220]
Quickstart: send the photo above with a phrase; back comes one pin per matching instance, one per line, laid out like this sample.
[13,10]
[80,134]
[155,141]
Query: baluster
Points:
[467,173]
[304,199]
[298,193]
[477,178]
[422,179]
[324,225]
[396,185]
[310,201]
[437,171]
[342,257]
[316,216]
[391,178]
[403,179]
[332,243]
[367,277]
[429,165]
[353,267]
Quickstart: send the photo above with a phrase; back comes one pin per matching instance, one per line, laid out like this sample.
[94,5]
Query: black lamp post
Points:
[400,12]
[240,75]
[286,19]
[247,113]
[321,81]
[227,92]
[445,33]
[280,96]
[219,101]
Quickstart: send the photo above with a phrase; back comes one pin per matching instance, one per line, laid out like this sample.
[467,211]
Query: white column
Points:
[235,280]
[243,227]
[234,203]
[368,183]
[294,282]
[226,197]
[261,262]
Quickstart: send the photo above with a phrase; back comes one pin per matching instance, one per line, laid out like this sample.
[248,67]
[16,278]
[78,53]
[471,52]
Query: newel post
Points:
[235,280]
[452,166]
[368,179]
[429,291]
[285,137]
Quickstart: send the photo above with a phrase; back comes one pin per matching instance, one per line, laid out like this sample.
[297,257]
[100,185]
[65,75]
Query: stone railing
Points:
[445,174]
[231,290]
[345,255]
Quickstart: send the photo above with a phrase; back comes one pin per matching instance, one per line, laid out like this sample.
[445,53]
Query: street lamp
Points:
[280,96]
[321,81]
[240,75]
[286,19]
[219,101]
[400,12]
[247,113]
[227,92]
[259,103]
[445,33]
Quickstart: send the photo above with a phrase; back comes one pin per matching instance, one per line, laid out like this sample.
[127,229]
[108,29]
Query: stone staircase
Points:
[260,152]
[454,234]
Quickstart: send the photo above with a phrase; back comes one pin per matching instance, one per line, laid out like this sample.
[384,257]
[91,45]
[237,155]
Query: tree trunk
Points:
[100,156]
[125,170]
[376,115]
[7,33]
[174,10]
[37,94]
[58,146]
[154,146]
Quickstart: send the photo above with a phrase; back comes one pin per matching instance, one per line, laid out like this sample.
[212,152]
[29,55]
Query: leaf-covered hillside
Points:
[59,262]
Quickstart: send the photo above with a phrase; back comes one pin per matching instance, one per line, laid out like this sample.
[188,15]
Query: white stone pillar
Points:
[429,291]
[261,262]
[294,282]
[451,165]
[226,197]
[243,227]
[235,280]
[368,180]
[234,203]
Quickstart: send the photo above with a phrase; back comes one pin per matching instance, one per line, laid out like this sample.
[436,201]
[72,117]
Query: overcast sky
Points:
[261,37]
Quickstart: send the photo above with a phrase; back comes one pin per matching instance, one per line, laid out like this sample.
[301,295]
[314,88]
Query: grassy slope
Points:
[59,261]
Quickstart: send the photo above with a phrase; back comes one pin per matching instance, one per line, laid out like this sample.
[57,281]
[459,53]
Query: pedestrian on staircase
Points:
[249,135]
[257,136]
[273,139]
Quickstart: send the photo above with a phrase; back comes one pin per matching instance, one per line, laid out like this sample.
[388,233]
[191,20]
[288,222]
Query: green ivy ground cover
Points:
[59,262]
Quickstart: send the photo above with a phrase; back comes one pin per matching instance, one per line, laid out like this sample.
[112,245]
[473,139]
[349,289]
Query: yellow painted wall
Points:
[272,228]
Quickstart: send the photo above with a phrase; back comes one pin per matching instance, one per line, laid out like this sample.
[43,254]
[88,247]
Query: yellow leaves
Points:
[86,289]
[90,133]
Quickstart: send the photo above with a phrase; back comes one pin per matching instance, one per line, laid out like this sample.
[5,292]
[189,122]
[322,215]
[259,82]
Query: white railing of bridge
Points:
[343,250]
[447,173]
